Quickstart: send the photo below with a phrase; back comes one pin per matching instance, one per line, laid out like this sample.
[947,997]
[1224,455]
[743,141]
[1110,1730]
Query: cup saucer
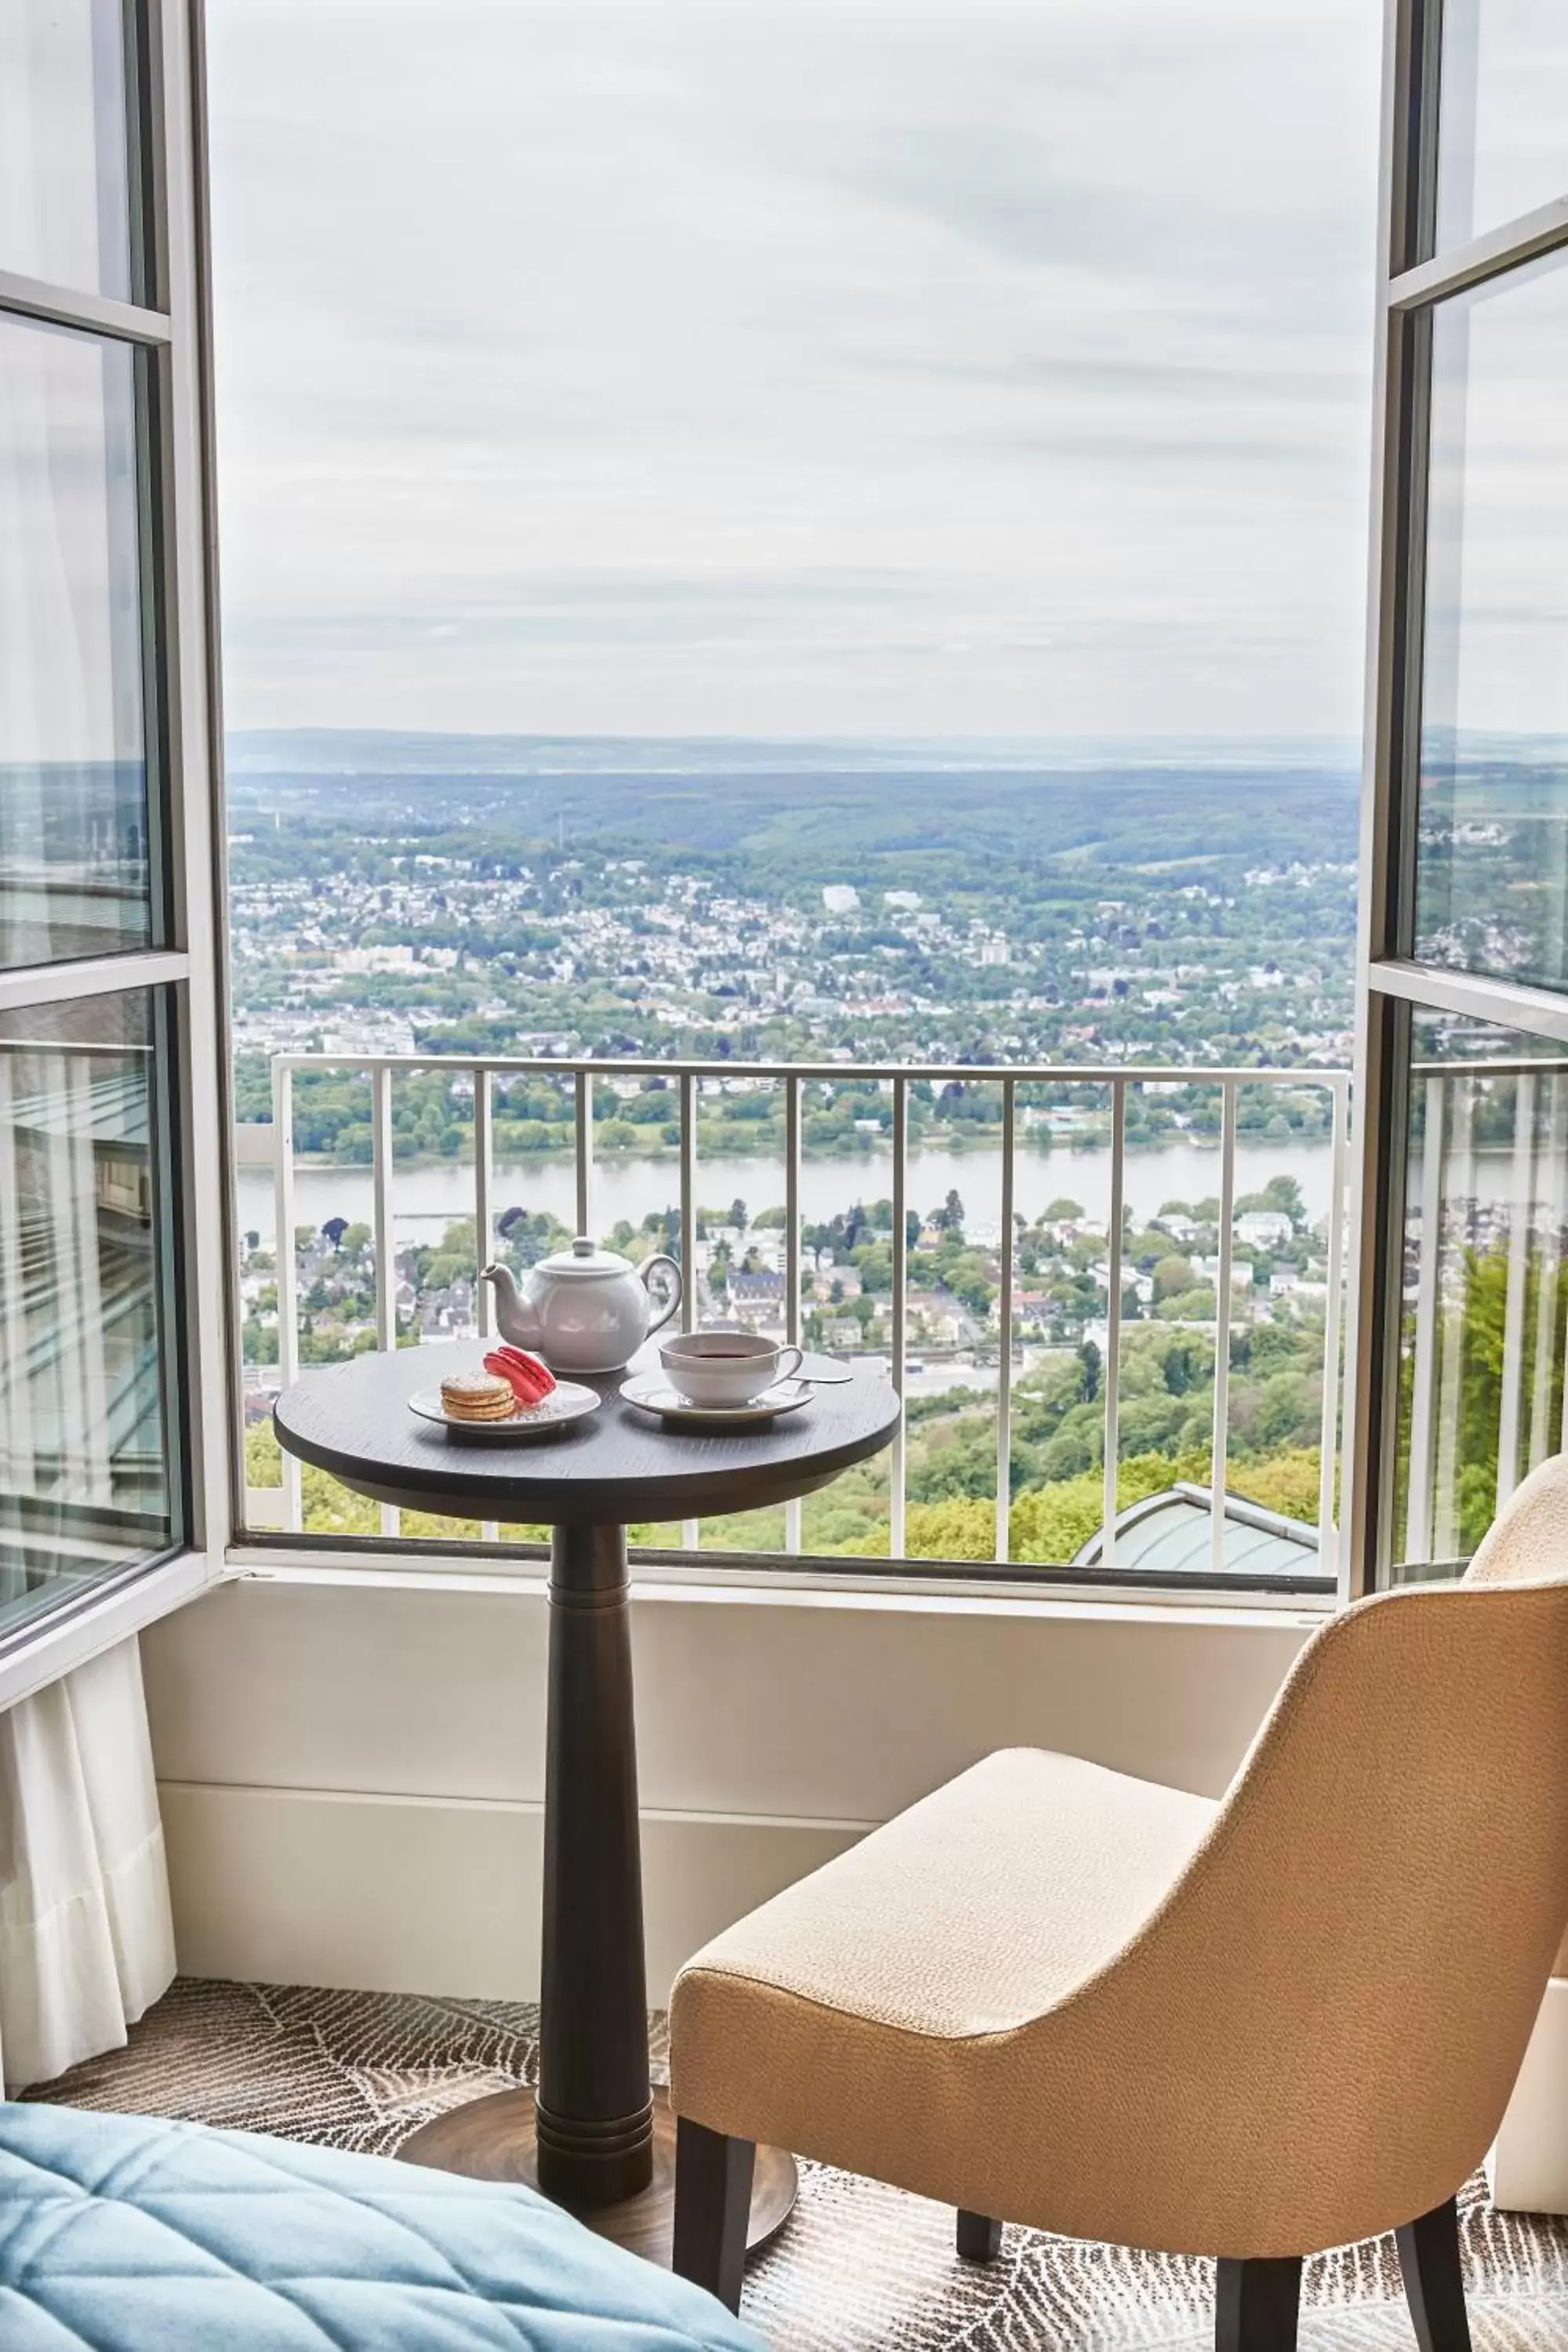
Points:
[651,1392]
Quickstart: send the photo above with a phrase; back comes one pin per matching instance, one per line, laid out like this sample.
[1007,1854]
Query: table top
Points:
[614,1467]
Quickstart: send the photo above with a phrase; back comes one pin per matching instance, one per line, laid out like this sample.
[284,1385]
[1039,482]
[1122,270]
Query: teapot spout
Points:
[516,1318]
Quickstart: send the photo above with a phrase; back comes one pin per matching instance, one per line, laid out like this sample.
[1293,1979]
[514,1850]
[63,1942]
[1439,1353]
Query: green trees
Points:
[1469,1349]
[1164,1425]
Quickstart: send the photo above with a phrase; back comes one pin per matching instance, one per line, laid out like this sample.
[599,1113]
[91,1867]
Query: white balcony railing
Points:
[1485,1293]
[688,1083]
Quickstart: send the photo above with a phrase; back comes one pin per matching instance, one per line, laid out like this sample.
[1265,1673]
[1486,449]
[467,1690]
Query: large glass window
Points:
[1492,874]
[85,1484]
[73,787]
[65,156]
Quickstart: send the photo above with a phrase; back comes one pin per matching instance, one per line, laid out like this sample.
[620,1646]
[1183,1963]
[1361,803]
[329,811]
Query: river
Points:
[425,1199]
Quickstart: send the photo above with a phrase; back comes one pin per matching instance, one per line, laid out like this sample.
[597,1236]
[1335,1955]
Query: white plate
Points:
[651,1392]
[567,1401]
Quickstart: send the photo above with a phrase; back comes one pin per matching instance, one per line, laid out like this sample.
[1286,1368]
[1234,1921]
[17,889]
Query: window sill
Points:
[99,1620]
[755,1584]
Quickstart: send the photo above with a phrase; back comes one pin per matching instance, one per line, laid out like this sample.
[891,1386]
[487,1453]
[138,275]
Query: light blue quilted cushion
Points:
[128,2235]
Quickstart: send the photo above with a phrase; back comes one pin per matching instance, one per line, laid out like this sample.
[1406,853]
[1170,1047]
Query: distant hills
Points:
[327,751]
[975,814]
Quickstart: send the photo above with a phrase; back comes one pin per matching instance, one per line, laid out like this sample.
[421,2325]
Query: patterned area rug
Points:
[859,2268]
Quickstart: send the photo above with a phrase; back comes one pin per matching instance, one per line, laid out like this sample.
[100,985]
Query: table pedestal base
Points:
[492,2139]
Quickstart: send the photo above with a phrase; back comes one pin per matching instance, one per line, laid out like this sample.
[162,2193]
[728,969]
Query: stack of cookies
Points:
[479,1396]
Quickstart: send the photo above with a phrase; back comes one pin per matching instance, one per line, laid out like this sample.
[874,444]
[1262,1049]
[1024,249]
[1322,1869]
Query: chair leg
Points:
[1256,2304]
[1433,2282]
[979,2237]
[712,2204]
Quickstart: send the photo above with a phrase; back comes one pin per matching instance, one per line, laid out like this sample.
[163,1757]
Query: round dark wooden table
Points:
[596,2138]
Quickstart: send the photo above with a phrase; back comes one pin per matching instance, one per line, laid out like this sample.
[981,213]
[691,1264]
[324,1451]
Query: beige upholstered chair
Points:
[1053,1995]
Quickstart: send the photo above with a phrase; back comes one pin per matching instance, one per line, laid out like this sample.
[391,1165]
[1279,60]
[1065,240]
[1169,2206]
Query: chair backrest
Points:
[1528,1539]
[1359,1949]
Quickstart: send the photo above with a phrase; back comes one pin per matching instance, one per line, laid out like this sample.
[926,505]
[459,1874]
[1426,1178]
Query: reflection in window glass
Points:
[1503,147]
[64,213]
[73,788]
[1492,864]
[1485,1304]
[84,1478]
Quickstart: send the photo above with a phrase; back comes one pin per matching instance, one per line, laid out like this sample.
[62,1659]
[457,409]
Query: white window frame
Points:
[164,63]
[388,1561]
[1413,280]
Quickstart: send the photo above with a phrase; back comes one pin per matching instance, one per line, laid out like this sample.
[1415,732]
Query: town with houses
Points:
[595,956]
[456,921]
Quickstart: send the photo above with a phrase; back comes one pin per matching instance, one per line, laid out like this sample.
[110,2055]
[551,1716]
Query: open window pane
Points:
[1492,862]
[85,1487]
[1503,142]
[73,779]
[64,178]
[825,431]
[1484,1327]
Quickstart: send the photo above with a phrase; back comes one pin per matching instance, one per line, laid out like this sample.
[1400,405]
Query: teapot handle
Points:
[676,1294]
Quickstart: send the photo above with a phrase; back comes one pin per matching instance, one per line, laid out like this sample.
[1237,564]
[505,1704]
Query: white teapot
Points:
[584,1310]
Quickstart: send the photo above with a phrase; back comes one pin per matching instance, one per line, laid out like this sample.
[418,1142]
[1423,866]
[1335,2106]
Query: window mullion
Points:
[60,984]
[189,741]
[96,314]
[1484,258]
[1472,996]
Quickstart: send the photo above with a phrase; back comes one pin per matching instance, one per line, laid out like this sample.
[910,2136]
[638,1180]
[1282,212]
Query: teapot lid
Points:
[584,1258]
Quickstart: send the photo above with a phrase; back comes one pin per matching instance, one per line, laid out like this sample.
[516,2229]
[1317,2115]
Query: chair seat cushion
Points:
[124,2234]
[980,1907]
[869,2015]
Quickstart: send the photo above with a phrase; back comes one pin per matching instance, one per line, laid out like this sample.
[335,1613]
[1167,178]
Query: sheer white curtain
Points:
[87,1942]
[86,1939]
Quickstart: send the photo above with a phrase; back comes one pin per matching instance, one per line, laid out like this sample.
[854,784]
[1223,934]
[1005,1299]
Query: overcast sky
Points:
[760,366]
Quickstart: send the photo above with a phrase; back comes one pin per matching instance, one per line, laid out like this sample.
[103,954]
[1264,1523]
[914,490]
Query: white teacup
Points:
[720,1368]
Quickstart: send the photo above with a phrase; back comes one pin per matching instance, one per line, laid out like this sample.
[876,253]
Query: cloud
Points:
[674,364]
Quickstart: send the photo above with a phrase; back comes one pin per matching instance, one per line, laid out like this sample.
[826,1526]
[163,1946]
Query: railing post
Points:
[287,1270]
[1547,1277]
[484,1229]
[484,1213]
[1461,1198]
[690,1530]
[1222,1329]
[895,1468]
[1424,1374]
[72,1176]
[688,1202]
[1517,1294]
[1110,1371]
[385,1238]
[1004,1326]
[18,1458]
[583,1090]
[1333,1309]
[381,1188]
[793,1261]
